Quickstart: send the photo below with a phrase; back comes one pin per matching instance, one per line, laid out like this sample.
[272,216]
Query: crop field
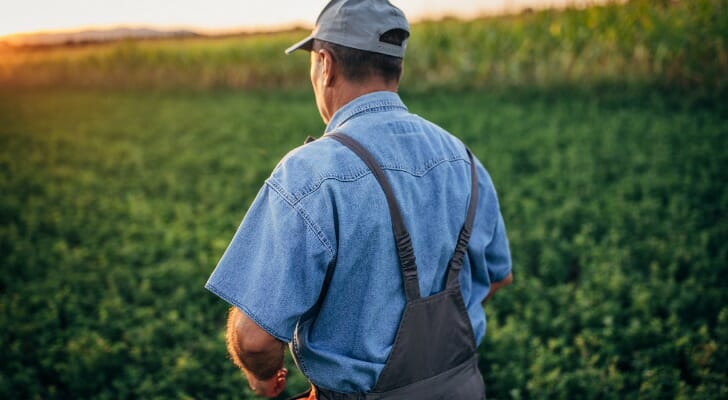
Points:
[116,206]
[119,193]
[676,43]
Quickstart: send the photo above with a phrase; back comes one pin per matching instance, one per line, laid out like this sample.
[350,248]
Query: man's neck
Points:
[351,90]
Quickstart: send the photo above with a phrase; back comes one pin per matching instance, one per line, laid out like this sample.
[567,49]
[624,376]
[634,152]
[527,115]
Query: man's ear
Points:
[328,67]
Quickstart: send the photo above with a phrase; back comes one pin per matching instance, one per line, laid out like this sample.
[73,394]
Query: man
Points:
[371,249]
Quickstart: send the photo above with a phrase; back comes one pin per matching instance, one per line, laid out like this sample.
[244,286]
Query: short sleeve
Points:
[274,267]
[489,250]
[497,253]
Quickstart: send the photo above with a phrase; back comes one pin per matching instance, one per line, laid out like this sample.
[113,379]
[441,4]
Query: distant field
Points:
[670,43]
[125,169]
[116,206]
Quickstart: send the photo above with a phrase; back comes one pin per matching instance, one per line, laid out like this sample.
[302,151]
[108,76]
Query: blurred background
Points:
[134,136]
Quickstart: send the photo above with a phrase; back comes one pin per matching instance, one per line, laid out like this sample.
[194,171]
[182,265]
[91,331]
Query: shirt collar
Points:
[370,102]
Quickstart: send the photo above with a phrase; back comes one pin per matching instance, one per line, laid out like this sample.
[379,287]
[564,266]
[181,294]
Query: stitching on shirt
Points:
[308,190]
[303,214]
[299,356]
[375,105]
[429,166]
[281,192]
[312,187]
[372,108]
[247,311]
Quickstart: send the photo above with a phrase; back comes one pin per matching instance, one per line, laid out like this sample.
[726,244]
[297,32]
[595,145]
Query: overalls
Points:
[434,352]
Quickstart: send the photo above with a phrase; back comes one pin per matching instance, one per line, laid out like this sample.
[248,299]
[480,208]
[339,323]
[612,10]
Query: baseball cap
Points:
[358,24]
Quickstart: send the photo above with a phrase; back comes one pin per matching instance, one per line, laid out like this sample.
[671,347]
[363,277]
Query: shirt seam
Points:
[365,171]
[385,102]
[299,356]
[295,205]
[501,278]
[495,277]
[214,289]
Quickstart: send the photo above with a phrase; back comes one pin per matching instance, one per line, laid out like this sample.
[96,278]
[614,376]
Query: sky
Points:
[215,16]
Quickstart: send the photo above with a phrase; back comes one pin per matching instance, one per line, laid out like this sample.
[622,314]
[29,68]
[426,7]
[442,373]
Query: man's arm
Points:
[496,286]
[257,353]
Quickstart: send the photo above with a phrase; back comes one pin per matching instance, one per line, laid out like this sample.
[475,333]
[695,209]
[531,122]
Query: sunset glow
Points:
[214,16]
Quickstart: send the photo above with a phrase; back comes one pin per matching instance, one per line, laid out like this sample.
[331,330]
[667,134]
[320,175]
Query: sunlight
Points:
[216,16]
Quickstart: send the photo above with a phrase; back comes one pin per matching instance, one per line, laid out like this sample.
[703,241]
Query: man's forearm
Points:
[496,286]
[252,349]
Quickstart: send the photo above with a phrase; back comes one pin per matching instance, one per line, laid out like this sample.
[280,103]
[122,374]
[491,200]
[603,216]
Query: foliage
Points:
[679,43]
[115,207]
[604,130]
[670,43]
[114,210]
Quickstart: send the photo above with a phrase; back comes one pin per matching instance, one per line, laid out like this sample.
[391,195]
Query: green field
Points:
[674,43]
[116,206]
[125,169]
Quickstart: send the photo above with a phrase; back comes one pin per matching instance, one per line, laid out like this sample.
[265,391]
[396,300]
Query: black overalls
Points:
[434,352]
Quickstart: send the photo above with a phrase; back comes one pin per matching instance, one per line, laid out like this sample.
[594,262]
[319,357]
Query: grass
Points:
[116,206]
[126,167]
[655,42]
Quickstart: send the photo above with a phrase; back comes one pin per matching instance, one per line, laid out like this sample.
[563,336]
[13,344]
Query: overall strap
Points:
[456,262]
[401,236]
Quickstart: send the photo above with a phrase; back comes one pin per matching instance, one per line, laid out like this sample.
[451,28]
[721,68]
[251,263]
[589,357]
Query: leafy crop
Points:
[670,43]
[115,207]
[604,130]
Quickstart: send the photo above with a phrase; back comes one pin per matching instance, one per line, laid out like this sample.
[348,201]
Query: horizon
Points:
[226,16]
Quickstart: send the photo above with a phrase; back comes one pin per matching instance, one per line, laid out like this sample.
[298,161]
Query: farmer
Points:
[370,250]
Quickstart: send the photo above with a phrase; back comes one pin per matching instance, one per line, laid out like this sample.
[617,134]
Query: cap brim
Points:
[304,44]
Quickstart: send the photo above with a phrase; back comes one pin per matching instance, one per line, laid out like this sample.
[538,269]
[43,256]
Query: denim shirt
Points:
[322,206]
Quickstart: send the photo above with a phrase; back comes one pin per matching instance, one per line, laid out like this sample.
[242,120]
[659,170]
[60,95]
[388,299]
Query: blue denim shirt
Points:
[322,205]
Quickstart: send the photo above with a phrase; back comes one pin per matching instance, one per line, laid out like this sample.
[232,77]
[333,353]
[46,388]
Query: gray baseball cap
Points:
[358,24]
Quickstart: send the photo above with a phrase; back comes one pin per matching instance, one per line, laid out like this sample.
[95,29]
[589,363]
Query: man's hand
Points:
[271,387]
[495,286]
[257,353]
